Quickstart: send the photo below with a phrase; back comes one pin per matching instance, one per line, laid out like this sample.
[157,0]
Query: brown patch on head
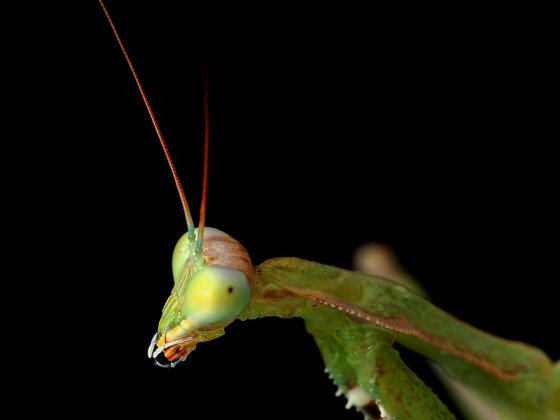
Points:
[223,251]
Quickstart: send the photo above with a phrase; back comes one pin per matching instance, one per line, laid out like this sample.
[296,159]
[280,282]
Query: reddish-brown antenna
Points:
[182,196]
[202,221]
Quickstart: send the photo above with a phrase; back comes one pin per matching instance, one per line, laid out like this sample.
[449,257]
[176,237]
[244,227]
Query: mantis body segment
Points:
[355,319]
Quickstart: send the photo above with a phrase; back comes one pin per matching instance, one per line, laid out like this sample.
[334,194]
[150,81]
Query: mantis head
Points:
[212,286]
[213,273]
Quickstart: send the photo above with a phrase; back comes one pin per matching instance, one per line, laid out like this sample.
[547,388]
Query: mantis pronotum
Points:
[342,231]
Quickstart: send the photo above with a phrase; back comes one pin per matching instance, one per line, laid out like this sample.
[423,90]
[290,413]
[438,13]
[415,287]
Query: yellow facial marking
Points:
[215,296]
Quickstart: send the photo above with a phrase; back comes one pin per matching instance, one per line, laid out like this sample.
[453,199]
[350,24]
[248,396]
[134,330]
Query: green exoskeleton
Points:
[355,319]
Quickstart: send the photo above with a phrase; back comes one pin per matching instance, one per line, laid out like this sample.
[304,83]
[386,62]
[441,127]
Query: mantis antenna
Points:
[202,218]
[185,204]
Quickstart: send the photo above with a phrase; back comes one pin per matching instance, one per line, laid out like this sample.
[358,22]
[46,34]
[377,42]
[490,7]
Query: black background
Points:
[427,130]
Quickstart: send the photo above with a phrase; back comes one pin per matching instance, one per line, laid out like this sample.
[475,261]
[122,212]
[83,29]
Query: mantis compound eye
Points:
[214,296]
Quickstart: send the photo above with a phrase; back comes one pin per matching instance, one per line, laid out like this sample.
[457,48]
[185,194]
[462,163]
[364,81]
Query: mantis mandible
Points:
[294,291]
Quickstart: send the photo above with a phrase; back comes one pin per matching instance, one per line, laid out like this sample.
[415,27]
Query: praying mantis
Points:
[339,232]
